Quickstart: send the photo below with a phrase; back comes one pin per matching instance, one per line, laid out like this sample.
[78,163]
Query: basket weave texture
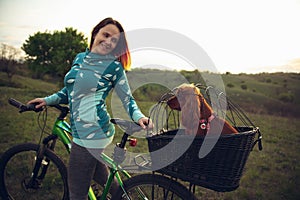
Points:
[220,170]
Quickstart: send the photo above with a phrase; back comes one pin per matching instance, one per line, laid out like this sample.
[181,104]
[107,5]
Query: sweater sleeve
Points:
[60,97]
[123,91]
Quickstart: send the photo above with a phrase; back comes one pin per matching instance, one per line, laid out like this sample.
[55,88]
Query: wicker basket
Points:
[220,170]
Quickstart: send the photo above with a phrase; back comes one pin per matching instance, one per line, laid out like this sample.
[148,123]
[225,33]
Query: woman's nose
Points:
[108,42]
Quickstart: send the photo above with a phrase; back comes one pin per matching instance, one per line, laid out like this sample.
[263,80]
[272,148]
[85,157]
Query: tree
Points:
[9,60]
[52,53]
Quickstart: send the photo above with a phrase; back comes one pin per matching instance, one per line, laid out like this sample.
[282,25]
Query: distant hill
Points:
[275,93]
[264,93]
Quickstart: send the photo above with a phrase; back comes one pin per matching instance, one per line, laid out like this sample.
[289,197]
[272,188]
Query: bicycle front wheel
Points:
[16,168]
[153,187]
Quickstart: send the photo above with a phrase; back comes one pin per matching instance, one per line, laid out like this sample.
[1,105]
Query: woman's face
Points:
[106,40]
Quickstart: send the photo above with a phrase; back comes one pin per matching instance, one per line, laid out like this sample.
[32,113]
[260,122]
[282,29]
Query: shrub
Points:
[286,97]
[268,80]
[230,85]
[244,86]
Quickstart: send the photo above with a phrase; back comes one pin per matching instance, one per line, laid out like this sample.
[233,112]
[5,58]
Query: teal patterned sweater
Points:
[87,85]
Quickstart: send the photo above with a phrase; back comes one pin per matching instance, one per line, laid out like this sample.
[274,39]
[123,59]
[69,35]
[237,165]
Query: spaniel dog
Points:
[197,115]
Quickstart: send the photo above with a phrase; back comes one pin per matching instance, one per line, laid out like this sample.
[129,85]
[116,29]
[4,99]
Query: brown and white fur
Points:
[197,115]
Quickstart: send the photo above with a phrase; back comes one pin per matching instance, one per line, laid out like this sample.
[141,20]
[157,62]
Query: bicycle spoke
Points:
[153,187]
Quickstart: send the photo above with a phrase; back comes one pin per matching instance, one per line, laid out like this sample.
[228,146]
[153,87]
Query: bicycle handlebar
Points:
[31,107]
[129,126]
[63,110]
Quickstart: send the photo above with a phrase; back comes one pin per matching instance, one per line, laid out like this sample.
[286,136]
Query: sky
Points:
[239,36]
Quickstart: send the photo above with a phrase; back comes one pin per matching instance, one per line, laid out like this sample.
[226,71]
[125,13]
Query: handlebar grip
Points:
[22,107]
[15,103]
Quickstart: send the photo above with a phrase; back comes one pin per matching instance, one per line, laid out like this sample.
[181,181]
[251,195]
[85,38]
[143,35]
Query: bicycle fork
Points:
[40,163]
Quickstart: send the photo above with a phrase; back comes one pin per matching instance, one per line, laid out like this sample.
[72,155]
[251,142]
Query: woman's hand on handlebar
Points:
[145,123]
[40,102]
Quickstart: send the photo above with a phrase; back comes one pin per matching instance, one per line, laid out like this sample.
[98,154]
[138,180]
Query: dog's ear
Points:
[190,111]
[173,103]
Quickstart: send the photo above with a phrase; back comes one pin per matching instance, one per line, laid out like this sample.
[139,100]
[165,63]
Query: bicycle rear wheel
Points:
[153,187]
[16,167]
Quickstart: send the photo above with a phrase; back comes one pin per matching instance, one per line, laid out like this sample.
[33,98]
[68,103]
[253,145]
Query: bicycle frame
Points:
[62,130]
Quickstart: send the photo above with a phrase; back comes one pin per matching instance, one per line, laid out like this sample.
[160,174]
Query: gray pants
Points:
[84,165]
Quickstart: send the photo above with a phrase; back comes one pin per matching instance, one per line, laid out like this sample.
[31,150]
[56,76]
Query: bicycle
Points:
[28,171]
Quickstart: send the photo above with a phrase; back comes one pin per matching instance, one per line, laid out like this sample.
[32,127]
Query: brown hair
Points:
[121,51]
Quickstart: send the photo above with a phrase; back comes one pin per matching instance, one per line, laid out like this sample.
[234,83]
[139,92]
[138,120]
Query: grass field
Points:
[273,173]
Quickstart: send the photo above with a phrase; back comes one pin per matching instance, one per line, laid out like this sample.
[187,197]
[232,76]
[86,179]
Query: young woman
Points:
[93,75]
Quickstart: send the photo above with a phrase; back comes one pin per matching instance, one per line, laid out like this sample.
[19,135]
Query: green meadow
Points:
[271,101]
